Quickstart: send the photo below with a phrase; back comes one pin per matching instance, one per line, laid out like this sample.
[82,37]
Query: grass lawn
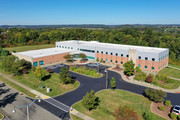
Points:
[86,71]
[171,72]
[110,100]
[177,66]
[53,83]
[32,47]
[159,80]
[18,88]
[75,117]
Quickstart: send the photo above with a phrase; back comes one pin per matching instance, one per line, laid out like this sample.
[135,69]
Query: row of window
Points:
[64,47]
[86,50]
[146,67]
[111,60]
[163,57]
[40,63]
[112,53]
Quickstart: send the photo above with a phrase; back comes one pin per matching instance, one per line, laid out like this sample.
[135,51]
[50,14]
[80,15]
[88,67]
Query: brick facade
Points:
[51,59]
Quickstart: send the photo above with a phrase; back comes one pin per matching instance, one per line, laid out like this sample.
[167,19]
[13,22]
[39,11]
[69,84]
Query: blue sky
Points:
[110,12]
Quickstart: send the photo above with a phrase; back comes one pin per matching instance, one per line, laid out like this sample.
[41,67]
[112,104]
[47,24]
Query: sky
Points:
[109,12]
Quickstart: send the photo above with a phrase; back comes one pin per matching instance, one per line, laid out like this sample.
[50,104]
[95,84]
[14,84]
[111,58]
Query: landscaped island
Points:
[86,71]
[111,100]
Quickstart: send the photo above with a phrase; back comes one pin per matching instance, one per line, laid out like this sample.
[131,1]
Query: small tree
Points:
[40,74]
[90,101]
[148,116]
[82,55]
[65,76]
[138,69]
[68,57]
[155,95]
[113,83]
[129,68]
[125,112]
[33,68]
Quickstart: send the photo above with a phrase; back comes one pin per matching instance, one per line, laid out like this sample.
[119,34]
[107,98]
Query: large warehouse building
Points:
[147,58]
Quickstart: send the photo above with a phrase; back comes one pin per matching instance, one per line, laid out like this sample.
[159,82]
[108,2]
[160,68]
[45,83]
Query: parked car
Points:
[176,110]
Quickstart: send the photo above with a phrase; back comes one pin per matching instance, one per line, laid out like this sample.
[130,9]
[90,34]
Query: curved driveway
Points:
[87,84]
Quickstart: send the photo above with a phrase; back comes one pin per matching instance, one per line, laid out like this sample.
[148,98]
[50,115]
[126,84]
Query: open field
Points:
[171,72]
[18,88]
[177,66]
[110,100]
[32,47]
[53,83]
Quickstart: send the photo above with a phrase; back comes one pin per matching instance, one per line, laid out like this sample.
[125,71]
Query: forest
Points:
[153,37]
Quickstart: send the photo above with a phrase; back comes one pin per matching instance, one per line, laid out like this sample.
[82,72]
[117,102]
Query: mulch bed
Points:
[118,69]
[164,113]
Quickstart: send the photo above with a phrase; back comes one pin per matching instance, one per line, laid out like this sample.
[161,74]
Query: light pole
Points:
[106,78]
[27,106]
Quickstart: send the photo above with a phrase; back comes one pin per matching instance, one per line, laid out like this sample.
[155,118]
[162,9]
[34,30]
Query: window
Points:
[71,47]
[57,46]
[111,61]
[78,48]
[116,61]
[62,46]
[145,66]
[97,58]
[102,59]
[127,55]
[121,62]
[41,62]
[159,59]
[146,58]
[65,47]
[106,53]
[101,52]
[152,68]
[111,53]
[35,63]
[153,59]
[68,47]
[122,55]
[106,60]
[139,57]
[116,54]
[139,65]
[97,51]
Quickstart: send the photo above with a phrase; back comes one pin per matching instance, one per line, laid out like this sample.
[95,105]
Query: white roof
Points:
[44,52]
[117,46]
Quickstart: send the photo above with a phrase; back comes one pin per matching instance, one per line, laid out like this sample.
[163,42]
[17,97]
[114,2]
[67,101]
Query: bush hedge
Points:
[162,108]
[147,116]
[173,116]
[167,103]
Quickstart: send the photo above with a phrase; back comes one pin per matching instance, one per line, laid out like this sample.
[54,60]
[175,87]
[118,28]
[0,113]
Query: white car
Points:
[176,110]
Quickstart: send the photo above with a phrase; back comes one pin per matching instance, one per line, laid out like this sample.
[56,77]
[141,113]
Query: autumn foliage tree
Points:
[125,112]
[149,79]
[39,73]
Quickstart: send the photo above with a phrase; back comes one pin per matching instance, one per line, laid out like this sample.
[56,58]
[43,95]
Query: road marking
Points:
[44,97]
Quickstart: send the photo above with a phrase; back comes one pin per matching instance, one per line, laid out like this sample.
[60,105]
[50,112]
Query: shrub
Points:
[103,61]
[173,116]
[147,116]
[125,112]
[117,65]
[167,103]
[97,60]
[162,108]
[39,73]
[65,76]
[149,79]
[178,117]
[90,101]
[33,68]
[113,83]
[155,95]
[138,69]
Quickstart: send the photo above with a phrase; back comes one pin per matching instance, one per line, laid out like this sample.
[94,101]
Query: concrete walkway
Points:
[81,115]
[174,67]
[42,96]
[131,80]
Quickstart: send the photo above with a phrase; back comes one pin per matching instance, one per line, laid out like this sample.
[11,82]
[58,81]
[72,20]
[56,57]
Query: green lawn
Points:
[159,80]
[171,72]
[32,47]
[75,117]
[110,100]
[53,82]
[177,66]
[86,71]
[18,88]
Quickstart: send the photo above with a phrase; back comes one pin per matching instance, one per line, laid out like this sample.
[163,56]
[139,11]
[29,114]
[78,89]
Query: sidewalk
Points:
[81,115]
[130,80]
[42,96]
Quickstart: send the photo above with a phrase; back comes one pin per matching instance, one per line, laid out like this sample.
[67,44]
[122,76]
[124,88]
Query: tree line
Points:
[129,36]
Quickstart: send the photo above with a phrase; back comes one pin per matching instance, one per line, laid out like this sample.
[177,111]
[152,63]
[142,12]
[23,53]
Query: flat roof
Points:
[118,46]
[43,52]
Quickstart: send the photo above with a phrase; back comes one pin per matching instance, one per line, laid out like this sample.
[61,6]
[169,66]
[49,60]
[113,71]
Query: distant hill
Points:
[90,26]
